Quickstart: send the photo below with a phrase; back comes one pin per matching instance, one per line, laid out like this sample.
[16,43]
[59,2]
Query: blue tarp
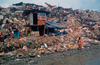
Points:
[55,24]
[16,34]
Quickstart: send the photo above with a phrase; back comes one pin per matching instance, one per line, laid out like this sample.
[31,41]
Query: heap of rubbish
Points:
[16,42]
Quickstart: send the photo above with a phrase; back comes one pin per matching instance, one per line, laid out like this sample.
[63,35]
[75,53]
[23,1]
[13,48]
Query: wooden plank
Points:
[41,22]
[31,18]
[1,38]
[35,33]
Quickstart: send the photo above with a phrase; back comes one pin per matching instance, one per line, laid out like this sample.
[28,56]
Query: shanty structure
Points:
[52,25]
[36,20]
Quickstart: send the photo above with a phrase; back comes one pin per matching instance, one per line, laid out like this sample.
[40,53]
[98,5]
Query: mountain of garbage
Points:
[79,23]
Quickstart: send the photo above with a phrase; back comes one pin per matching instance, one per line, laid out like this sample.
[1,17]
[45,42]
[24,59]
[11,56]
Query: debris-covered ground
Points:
[88,55]
[84,24]
[30,46]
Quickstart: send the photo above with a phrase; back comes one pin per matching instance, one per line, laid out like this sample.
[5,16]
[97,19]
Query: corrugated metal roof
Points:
[26,12]
[55,24]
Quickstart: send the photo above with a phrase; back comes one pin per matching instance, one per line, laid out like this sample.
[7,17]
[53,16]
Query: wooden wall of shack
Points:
[35,24]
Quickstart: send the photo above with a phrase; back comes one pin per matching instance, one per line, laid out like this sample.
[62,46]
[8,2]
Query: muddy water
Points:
[75,57]
[92,58]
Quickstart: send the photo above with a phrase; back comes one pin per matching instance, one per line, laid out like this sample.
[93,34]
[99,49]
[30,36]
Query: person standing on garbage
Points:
[79,43]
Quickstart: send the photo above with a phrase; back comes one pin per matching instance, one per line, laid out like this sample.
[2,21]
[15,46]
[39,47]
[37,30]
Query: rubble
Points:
[2,54]
[31,46]
[19,44]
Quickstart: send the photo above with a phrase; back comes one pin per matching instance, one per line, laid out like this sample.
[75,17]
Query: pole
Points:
[44,29]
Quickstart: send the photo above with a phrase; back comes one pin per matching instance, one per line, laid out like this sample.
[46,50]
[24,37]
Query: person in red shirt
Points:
[79,43]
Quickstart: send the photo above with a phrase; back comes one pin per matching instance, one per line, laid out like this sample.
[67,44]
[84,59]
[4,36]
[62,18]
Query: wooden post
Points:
[44,29]
[38,30]
[48,31]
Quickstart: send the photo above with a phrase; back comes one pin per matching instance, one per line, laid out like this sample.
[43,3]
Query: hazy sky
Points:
[75,4]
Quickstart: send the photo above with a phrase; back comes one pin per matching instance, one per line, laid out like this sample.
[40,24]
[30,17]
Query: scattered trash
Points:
[16,33]
[90,43]
[9,53]
[83,47]
[38,56]
[24,48]
[45,45]
[18,60]
[70,46]
[2,54]
[32,61]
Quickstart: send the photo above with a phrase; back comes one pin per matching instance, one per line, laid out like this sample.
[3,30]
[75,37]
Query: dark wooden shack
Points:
[36,20]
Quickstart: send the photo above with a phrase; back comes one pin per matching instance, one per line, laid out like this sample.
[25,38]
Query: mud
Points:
[88,56]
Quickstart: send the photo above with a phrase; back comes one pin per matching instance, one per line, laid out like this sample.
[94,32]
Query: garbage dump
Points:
[16,42]
[30,46]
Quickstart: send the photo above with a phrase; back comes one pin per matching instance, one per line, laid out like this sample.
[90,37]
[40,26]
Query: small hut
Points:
[36,20]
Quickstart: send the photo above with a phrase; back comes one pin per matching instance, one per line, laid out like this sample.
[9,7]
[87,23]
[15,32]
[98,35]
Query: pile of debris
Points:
[16,43]
[33,46]
[9,27]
